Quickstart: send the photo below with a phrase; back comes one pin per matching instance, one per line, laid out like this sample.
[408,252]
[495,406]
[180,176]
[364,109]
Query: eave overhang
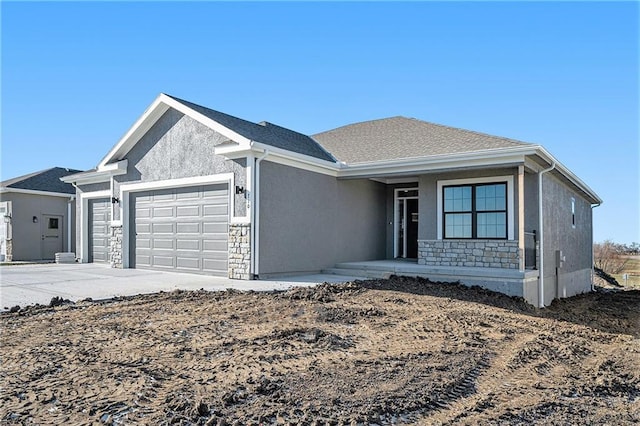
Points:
[101,174]
[499,158]
[4,190]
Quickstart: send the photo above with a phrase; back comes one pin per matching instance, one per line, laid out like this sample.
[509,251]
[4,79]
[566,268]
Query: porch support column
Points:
[521,217]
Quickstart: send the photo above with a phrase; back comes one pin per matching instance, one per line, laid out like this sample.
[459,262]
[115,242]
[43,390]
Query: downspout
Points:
[593,271]
[541,239]
[78,234]
[71,199]
[255,217]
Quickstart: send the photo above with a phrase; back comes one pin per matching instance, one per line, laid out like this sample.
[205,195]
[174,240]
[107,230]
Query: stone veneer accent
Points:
[239,251]
[115,246]
[475,253]
[8,257]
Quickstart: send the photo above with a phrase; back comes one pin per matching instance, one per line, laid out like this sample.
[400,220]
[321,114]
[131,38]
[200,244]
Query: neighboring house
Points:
[38,216]
[195,190]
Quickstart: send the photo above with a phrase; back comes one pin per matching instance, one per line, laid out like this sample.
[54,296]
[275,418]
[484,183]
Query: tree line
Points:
[612,257]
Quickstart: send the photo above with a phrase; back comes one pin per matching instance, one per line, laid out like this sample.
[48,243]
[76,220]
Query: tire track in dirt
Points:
[409,352]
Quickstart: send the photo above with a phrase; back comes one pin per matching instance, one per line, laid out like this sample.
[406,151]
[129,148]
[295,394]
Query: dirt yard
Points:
[380,352]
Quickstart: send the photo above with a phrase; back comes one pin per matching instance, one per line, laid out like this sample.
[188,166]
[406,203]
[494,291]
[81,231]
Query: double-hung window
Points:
[475,211]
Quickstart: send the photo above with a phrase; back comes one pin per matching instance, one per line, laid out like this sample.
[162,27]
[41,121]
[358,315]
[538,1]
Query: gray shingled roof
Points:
[401,137]
[44,180]
[266,133]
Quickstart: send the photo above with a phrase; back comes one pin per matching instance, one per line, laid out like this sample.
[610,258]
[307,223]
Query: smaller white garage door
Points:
[99,218]
[183,229]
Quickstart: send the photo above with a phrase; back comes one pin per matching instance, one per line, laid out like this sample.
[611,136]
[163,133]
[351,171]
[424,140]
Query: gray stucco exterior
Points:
[27,242]
[178,146]
[574,276]
[309,221]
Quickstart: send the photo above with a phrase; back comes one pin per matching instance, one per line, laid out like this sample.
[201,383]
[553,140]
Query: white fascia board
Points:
[233,151]
[161,104]
[301,161]
[435,163]
[4,190]
[280,156]
[569,175]
[103,174]
[118,168]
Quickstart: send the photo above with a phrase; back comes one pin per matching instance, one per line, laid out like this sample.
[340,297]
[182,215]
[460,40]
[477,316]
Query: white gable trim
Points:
[161,104]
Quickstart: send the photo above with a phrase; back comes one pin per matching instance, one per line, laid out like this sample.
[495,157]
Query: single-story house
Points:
[38,216]
[191,189]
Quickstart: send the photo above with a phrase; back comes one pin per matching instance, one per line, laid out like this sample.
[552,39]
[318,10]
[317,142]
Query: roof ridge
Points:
[471,131]
[362,122]
[444,126]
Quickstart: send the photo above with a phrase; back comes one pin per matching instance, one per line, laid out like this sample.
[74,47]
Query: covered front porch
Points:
[512,282]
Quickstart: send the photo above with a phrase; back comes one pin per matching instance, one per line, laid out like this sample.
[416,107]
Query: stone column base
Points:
[240,251]
[115,247]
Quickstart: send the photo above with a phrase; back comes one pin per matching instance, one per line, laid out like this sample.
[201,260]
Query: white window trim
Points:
[127,189]
[573,213]
[84,220]
[471,181]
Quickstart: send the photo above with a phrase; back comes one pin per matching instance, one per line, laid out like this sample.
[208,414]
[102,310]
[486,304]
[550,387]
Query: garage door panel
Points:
[217,255]
[186,229]
[164,195]
[214,228]
[143,228]
[163,228]
[188,193]
[143,212]
[215,267]
[159,243]
[182,244]
[188,263]
[189,228]
[214,210]
[214,245]
[162,212]
[188,211]
[143,243]
[215,191]
[163,261]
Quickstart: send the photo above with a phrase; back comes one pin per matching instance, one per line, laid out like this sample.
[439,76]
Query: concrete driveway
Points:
[29,284]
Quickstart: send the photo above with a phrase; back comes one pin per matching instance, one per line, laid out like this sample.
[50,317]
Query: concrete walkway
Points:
[30,284]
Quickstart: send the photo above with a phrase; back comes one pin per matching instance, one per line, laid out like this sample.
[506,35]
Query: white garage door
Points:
[99,218]
[183,229]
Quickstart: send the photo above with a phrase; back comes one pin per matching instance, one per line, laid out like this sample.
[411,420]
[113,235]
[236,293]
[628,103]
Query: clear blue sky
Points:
[76,75]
